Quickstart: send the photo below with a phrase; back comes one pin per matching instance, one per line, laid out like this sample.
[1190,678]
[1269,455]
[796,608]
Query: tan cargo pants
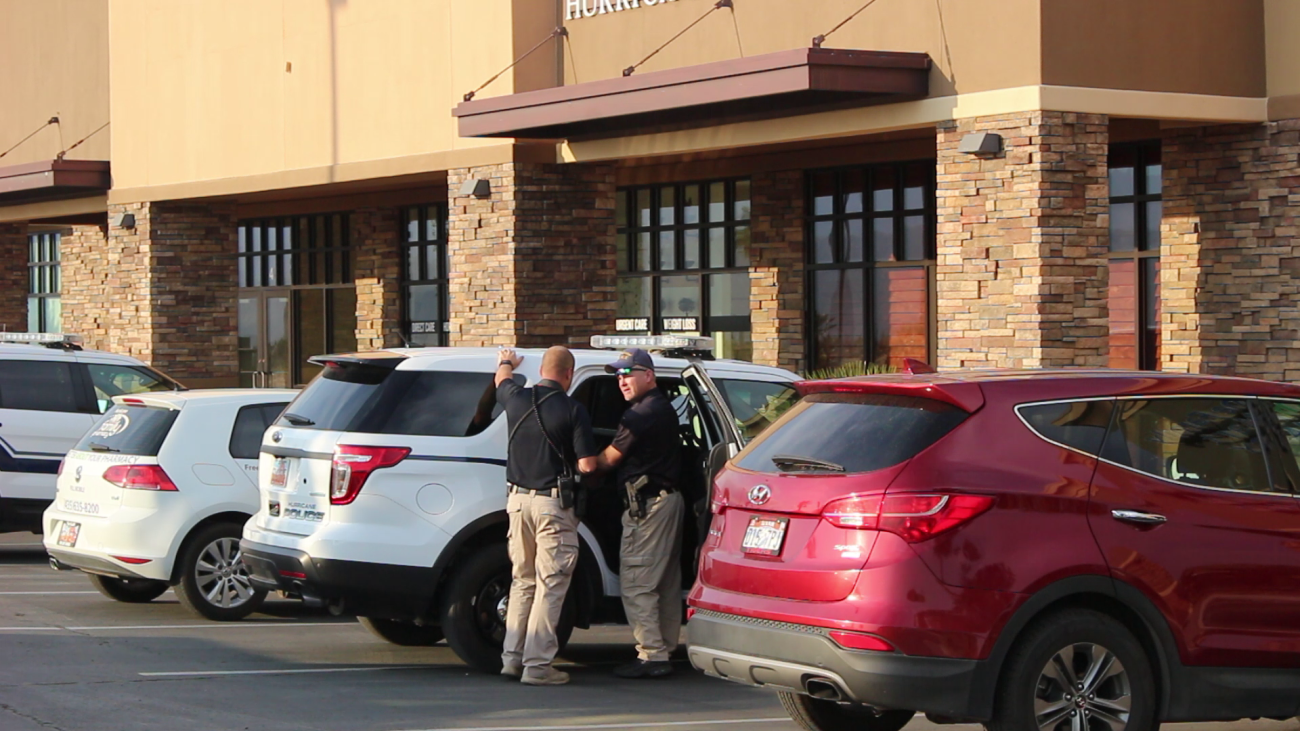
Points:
[543,546]
[650,574]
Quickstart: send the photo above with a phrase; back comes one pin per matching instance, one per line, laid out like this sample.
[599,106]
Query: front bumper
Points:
[803,659]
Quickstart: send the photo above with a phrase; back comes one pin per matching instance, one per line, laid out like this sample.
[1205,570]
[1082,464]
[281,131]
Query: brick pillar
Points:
[776,274]
[1229,255]
[14,254]
[378,277]
[533,263]
[163,291]
[1022,243]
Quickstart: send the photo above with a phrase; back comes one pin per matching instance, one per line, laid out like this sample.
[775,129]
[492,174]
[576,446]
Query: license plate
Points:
[68,534]
[280,472]
[764,536]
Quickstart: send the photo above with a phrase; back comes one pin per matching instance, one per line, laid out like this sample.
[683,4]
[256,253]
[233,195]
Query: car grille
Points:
[767,623]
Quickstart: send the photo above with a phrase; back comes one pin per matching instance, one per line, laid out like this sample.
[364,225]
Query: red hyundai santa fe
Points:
[1033,550]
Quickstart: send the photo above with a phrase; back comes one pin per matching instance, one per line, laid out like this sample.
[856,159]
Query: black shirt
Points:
[530,461]
[650,441]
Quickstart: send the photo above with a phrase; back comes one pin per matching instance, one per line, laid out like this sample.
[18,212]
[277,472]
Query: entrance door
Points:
[265,330]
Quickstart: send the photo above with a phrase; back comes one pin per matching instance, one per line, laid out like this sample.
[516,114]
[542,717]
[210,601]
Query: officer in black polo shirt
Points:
[646,451]
[550,443]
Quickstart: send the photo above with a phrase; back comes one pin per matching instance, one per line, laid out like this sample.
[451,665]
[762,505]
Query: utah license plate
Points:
[764,536]
[280,472]
[68,533]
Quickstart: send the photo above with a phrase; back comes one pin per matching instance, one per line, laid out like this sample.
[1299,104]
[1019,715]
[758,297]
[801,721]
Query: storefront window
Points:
[1135,216]
[425,274]
[683,262]
[44,307]
[870,249]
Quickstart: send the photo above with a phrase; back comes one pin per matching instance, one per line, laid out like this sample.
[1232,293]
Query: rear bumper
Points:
[359,587]
[95,565]
[803,659]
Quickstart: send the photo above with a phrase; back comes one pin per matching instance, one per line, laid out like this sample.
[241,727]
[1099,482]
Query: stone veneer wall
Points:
[532,264]
[378,276]
[1022,241]
[776,274]
[14,255]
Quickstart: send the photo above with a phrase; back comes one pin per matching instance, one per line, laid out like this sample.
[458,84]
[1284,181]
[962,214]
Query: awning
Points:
[774,84]
[53,180]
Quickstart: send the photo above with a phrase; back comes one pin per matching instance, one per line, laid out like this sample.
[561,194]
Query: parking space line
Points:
[42,593]
[283,671]
[585,727]
[211,625]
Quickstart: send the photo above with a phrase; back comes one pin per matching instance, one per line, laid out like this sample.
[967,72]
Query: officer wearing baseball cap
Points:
[646,452]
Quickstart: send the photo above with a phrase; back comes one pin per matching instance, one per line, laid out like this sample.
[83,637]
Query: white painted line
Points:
[212,625]
[42,593]
[285,671]
[22,545]
[31,629]
[650,724]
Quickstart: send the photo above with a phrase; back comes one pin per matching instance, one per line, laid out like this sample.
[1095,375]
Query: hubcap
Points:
[490,607]
[1083,687]
[221,576]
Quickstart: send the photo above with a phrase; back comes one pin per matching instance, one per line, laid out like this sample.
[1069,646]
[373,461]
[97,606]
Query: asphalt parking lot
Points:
[76,661]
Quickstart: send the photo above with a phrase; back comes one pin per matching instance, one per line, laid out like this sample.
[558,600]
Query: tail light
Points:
[860,641]
[915,518]
[59,472]
[139,477]
[353,464]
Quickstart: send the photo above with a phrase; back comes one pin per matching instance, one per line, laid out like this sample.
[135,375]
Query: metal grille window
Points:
[871,263]
[1136,210]
[425,275]
[683,262]
[44,306]
[284,252]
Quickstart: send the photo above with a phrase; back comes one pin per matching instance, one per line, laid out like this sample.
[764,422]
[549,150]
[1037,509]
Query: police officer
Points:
[550,433]
[646,451]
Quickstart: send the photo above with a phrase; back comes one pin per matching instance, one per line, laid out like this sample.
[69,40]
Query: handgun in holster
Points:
[636,503]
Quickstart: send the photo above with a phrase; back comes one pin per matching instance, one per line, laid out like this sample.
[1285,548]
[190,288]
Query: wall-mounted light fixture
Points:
[123,220]
[980,143]
[477,187]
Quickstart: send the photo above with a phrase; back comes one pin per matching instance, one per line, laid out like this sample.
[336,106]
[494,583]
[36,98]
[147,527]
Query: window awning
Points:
[52,180]
[771,85]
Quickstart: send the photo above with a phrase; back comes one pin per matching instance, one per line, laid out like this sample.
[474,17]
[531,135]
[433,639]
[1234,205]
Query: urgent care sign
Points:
[575,9]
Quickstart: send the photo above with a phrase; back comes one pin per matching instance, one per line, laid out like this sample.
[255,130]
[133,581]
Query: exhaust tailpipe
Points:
[823,689]
[54,564]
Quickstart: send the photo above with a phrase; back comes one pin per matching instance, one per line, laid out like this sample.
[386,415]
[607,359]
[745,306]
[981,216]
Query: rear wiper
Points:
[790,461]
[297,420]
[97,447]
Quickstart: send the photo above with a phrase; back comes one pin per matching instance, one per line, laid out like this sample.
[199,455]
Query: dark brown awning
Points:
[53,179]
[772,85]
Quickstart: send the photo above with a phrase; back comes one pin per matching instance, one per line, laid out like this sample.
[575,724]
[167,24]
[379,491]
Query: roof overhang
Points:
[771,85]
[53,180]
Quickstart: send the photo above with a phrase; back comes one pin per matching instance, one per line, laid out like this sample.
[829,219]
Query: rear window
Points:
[138,430]
[380,400]
[856,432]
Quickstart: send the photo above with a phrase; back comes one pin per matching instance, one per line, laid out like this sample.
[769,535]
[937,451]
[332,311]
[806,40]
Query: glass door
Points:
[265,330]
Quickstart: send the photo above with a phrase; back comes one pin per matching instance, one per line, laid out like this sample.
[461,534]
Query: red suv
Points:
[1034,550]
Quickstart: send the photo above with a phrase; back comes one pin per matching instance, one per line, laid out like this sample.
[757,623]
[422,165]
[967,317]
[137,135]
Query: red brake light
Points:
[60,470]
[860,641]
[139,477]
[915,518]
[353,464]
[128,559]
[855,511]
[137,401]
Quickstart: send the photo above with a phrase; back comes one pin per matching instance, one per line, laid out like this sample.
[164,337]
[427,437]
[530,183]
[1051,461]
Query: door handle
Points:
[1134,516]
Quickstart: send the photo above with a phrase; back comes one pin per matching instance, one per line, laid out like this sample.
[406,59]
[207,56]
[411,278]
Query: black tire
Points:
[406,634]
[213,580]
[1047,664]
[131,591]
[815,714]
[473,609]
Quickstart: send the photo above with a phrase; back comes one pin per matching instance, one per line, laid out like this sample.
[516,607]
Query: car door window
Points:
[1284,418]
[119,380]
[37,385]
[756,404]
[1207,442]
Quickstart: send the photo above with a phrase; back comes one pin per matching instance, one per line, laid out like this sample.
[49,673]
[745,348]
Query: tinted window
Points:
[1288,417]
[1078,424]
[136,430]
[250,424]
[118,380]
[861,432]
[756,404]
[1210,442]
[36,385]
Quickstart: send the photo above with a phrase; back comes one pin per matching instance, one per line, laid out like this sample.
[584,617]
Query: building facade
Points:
[1012,183]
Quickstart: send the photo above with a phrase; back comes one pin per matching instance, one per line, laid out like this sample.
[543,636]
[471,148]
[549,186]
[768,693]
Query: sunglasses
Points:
[629,371]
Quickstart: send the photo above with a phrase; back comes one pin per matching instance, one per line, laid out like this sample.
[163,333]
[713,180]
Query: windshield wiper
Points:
[297,420]
[97,447]
[794,462]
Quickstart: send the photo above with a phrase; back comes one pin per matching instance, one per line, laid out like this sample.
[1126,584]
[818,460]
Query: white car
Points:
[51,392]
[156,494]
[383,485]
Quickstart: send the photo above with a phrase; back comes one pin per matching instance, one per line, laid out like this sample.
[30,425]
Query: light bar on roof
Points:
[40,338]
[652,342]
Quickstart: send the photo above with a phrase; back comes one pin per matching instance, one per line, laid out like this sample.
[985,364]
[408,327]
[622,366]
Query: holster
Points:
[636,504]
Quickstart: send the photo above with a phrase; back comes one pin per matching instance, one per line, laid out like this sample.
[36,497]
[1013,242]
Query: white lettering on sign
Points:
[681,324]
[629,324]
[574,9]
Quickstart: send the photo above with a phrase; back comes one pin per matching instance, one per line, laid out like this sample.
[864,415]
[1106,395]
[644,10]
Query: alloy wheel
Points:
[221,576]
[1083,687]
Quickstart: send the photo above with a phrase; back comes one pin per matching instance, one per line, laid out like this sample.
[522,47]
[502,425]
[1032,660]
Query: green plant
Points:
[849,370]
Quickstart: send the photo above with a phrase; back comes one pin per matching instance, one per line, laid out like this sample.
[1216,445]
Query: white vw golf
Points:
[157,493]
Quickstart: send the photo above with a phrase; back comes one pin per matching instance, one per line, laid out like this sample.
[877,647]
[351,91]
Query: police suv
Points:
[51,393]
[383,484]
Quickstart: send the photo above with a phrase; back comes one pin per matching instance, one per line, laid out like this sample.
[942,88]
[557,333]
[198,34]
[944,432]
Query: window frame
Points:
[1146,329]
[439,212]
[44,278]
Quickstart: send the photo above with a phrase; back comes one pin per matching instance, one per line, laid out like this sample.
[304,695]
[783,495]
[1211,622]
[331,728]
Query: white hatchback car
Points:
[156,494]
[383,485]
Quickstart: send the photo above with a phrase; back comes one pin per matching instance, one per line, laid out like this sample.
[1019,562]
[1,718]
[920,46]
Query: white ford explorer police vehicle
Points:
[51,393]
[383,484]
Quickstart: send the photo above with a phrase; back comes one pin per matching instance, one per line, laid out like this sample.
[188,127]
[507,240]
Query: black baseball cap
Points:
[631,358]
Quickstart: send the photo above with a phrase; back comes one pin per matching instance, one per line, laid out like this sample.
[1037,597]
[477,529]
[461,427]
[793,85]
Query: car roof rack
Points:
[60,341]
[670,346]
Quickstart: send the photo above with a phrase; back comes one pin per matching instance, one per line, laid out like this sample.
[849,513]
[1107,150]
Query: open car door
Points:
[718,419]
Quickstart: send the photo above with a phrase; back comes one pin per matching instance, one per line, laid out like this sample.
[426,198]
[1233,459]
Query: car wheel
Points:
[407,634]
[131,591]
[214,581]
[1078,670]
[815,714]
[474,610]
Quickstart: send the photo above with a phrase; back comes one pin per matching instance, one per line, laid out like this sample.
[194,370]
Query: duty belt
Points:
[545,491]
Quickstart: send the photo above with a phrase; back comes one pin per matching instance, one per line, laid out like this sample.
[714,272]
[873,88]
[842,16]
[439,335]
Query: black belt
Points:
[652,491]
[546,491]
